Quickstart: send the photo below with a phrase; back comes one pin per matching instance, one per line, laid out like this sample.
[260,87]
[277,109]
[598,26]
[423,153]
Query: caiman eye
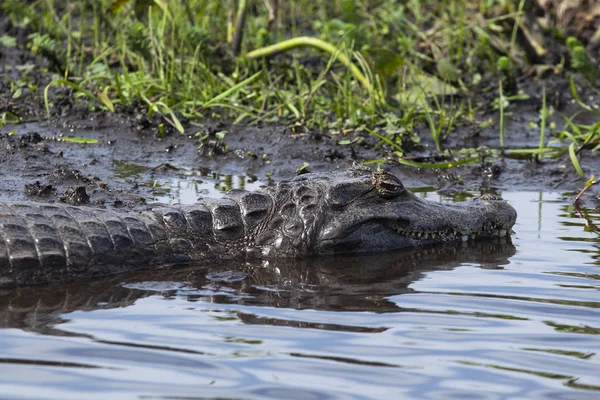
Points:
[386,185]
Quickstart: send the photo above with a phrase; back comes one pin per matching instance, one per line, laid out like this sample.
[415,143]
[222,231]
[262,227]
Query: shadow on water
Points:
[343,283]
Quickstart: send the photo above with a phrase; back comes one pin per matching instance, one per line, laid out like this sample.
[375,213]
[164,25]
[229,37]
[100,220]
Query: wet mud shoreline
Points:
[128,166]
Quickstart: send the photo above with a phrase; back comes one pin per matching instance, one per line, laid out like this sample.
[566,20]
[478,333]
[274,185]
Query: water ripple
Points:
[491,321]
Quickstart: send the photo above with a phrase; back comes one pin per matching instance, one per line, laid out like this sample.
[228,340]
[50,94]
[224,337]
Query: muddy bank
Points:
[129,165]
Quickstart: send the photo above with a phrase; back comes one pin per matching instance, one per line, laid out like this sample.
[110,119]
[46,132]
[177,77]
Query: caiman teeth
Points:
[491,230]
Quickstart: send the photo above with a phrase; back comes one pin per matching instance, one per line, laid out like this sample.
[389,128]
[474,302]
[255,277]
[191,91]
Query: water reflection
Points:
[171,184]
[205,184]
[344,283]
[495,320]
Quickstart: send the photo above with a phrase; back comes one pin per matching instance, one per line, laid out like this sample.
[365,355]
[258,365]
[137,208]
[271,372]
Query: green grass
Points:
[392,68]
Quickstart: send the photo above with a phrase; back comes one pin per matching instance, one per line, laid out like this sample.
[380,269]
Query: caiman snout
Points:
[387,216]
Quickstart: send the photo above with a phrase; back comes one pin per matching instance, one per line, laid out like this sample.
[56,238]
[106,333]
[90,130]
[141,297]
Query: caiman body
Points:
[313,214]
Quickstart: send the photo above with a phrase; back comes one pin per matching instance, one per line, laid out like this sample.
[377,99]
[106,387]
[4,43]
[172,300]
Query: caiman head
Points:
[364,211]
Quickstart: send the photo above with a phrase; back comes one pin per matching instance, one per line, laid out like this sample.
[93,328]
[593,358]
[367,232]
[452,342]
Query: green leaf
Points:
[424,85]
[303,166]
[387,62]
[220,135]
[79,140]
[590,181]
[106,101]
[177,123]
[8,41]
[447,70]
[117,5]
[8,117]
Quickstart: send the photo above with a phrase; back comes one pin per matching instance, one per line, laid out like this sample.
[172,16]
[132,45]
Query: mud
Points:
[130,165]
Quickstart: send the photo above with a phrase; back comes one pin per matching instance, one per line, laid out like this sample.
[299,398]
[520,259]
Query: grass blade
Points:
[447,164]
[501,115]
[102,98]
[543,122]
[233,89]
[79,140]
[575,161]
[579,101]
[307,41]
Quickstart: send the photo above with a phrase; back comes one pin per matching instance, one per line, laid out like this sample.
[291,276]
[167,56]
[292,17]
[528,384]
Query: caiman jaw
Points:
[374,223]
[490,231]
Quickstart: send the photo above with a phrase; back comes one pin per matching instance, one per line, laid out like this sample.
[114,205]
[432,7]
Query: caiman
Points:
[313,214]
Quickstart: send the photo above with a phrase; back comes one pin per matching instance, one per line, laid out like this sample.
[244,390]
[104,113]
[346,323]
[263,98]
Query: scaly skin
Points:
[314,214]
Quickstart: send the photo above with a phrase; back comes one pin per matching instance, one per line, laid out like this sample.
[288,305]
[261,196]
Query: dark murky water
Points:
[490,321]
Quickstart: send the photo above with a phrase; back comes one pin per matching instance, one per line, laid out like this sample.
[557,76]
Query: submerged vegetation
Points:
[394,69]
